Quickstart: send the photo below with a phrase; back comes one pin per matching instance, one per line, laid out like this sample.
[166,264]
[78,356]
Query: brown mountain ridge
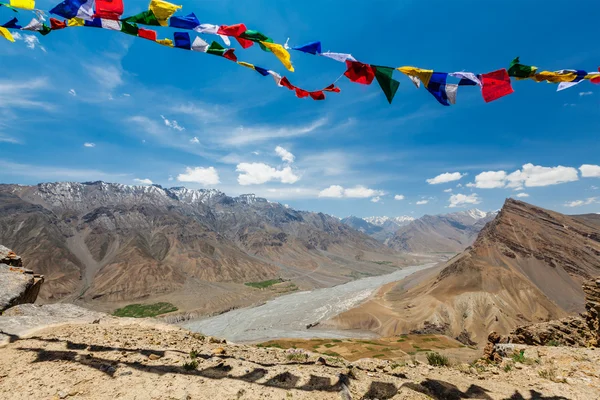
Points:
[527,265]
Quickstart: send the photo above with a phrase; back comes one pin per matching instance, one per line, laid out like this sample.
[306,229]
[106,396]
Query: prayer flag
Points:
[245,64]
[437,87]
[388,84]
[579,77]
[33,25]
[95,23]
[144,18]
[318,95]
[520,71]
[282,54]
[496,84]
[5,33]
[199,45]
[12,24]
[163,10]
[359,72]
[332,88]
[83,9]
[110,24]
[109,9]
[147,34]
[182,40]
[73,22]
[301,93]
[188,22]
[165,42]
[466,78]
[311,48]
[423,75]
[341,57]
[595,77]
[212,29]
[261,71]
[451,91]
[24,4]
[555,77]
[286,83]
[56,24]
[130,29]
[236,31]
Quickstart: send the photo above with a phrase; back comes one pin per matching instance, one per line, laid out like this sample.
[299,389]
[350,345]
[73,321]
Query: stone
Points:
[321,361]
[17,286]
[154,357]
[219,351]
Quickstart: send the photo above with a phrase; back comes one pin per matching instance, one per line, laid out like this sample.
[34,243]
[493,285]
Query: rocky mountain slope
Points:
[103,242]
[526,266]
[379,228]
[447,233]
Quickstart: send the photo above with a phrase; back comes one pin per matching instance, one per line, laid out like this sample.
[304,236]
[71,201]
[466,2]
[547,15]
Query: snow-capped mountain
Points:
[380,221]
[380,228]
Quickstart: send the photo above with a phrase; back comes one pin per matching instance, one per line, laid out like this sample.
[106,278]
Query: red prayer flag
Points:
[332,88]
[109,9]
[230,55]
[286,83]
[359,72]
[318,95]
[55,24]
[496,84]
[147,34]
[245,43]
[596,80]
[301,93]
[232,30]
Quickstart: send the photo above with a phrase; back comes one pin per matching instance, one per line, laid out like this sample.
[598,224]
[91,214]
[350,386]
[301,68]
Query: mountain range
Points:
[527,265]
[99,242]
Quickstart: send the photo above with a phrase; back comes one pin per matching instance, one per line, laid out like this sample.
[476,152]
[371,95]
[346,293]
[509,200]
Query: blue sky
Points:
[351,154]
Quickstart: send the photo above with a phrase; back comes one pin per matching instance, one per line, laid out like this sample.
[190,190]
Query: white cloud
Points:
[143,181]
[172,124]
[461,200]
[108,76]
[31,41]
[243,136]
[422,202]
[357,192]
[399,197]
[256,153]
[89,144]
[72,92]
[203,176]
[579,203]
[376,199]
[285,155]
[448,191]
[585,93]
[445,178]
[22,94]
[126,95]
[195,140]
[522,195]
[51,172]
[529,176]
[259,173]
[590,171]
[7,139]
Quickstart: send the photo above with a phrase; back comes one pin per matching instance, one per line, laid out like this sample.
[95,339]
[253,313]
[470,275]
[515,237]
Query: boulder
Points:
[9,258]
[592,305]
[17,284]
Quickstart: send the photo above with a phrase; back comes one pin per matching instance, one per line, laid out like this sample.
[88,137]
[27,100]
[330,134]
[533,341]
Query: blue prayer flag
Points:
[182,40]
[188,22]
[311,48]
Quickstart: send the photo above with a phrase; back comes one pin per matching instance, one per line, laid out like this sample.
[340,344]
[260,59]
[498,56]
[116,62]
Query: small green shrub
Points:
[300,357]
[190,366]
[438,360]
[194,354]
[553,343]
[329,345]
[144,310]
[508,367]
[378,355]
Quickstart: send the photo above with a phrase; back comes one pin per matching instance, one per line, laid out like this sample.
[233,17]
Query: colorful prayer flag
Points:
[187,22]
[359,72]
[5,33]
[109,9]
[165,42]
[580,76]
[496,84]
[520,71]
[56,24]
[83,9]
[130,29]
[437,87]
[341,57]
[144,18]
[182,40]
[318,95]
[199,45]
[555,77]
[310,48]
[386,82]
[466,78]
[73,22]
[12,24]
[24,4]
[423,75]
[163,10]
[282,54]
[147,34]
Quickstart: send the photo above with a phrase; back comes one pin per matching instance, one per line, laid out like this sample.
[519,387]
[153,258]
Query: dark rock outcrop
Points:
[17,284]
[592,306]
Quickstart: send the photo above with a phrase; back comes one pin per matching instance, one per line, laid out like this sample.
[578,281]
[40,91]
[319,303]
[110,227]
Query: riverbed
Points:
[288,316]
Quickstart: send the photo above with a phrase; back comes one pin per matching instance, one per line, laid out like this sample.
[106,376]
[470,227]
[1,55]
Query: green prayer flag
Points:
[45,30]
[388,84]
[216,49]
[144,18]
[130,29]
[518,70]
[258,37]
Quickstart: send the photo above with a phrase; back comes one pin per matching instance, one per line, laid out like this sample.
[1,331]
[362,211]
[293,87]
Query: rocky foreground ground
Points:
[111,358]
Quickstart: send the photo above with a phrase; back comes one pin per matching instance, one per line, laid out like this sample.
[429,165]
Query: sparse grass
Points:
[190,366]
[332,354]
[378,355]
[432,339]
[301,357]
[438,360]
[397,365]
[553,343]
[508,367]
[519,357]
[194,354]
[316,346]
[549,374]
[383,262]
[329,345]
[144,310]
[336,341]
[263,284]
[368,342]
[401,340]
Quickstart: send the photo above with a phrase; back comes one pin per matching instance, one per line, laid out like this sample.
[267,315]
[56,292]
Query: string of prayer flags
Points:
[520,71]
[281,53]
[217,50]
[163,10]
[579,77]
[37,26]
[594,77]
[301,93]
[313,48]
[496,84]
[359,72]
[260,70]
[68,9]
[388,84]
[555,77]
[109,9]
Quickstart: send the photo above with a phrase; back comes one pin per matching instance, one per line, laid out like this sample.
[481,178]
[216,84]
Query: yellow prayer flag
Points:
[5,33]
[424,75]
[163,11]
[165,42]
[76,22]
[25,4]
[281,53]
[554,77]
[245,64]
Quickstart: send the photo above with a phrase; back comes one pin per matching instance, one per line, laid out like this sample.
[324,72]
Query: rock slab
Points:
[18,285]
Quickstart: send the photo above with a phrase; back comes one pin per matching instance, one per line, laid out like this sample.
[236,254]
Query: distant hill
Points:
[380,228]
[101,242]
[447,233]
